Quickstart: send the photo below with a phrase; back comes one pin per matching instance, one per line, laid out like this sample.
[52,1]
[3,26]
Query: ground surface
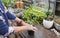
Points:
[41,33]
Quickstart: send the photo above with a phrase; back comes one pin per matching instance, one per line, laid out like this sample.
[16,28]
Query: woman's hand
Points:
[30,27]
[23,28]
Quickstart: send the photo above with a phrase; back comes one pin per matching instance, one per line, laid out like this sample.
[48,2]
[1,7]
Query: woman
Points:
[5,29]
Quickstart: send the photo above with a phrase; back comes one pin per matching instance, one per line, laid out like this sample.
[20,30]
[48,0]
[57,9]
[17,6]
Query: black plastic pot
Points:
[30,32]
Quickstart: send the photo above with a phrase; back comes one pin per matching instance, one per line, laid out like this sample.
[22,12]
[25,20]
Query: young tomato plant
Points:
[33,14]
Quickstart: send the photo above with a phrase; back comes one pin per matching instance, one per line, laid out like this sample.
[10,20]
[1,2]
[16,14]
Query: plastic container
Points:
[47,24]
[57,26]
[30,32]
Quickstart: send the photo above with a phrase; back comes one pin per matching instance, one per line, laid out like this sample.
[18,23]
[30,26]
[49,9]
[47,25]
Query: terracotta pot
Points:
[19,4]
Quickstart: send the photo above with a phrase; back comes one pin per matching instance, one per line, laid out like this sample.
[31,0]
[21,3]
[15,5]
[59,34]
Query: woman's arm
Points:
[20,21]
[23,28]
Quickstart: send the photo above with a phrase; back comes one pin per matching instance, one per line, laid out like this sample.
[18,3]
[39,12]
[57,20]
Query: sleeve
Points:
[10,16]
[3,28]
[3,25]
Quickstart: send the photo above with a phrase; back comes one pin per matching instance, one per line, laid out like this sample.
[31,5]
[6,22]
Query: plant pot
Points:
[30,32]
[57,26]
[47,23]
[19,4]
[57,23]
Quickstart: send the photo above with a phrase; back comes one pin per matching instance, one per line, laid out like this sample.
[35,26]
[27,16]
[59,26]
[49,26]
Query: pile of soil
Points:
[49,18]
